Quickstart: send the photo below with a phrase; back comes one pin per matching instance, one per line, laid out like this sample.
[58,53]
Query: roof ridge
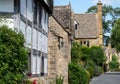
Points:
[61,6]
[84,13]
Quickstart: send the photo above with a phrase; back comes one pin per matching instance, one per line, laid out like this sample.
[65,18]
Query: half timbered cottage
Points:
[31,18]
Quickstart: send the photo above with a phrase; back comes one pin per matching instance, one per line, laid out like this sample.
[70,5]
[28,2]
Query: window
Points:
[88,43]
[39,41]
[17,6]
[84,42]
[40,15]
[75,26]
[60,42]
[38,64]
[35,8]
[42,66]
[34,43]
[81,43]
[46,22]
[37,15]
[30,10]
[7,5]
[45,65]
[33,64]
[44,19]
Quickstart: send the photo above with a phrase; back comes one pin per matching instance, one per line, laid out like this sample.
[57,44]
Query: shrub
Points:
[114,64]
[88,75]
[13,56]
[90,67]
[77,75]
[85,53]
[75,53]
[98,70]
[90,63]
[90,70]
[97,55]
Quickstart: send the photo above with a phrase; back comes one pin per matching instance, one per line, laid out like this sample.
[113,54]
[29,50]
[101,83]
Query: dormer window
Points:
[75,25]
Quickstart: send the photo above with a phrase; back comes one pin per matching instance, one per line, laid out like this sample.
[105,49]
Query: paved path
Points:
[107,78]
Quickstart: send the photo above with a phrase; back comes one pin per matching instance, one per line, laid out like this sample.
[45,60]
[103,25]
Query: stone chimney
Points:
[99,8]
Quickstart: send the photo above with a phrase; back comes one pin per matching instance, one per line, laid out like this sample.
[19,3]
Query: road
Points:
[107,78]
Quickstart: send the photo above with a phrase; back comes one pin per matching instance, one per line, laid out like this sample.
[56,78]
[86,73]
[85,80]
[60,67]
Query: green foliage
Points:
[75,53]
[115,35]
[77,75]
[90,67]
[98,70]
[90,63]
[13,56]
[114,64]
[90,70]
[97,55]
[27,82]
[88,58]
[85,53]
[108,11]
[59,79]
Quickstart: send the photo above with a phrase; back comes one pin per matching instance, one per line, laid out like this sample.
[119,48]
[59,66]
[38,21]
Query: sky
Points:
[81,6]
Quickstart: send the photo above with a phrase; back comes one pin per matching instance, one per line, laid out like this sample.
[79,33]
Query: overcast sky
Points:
[81,6]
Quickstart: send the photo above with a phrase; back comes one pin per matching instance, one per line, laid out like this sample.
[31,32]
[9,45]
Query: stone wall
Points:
[58,54]
[92,42]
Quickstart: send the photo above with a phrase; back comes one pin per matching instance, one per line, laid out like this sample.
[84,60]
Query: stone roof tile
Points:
[63,15]
[87,26]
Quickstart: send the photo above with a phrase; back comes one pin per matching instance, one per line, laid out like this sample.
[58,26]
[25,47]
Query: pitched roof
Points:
[87,25]
[63,15]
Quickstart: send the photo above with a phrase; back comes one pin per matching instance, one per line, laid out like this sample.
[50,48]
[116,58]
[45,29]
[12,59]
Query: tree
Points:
[13,56]
[115,35]
[108,23]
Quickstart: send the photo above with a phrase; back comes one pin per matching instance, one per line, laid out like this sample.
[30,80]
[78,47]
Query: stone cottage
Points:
[59,42]
[109,52]
[88,28]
